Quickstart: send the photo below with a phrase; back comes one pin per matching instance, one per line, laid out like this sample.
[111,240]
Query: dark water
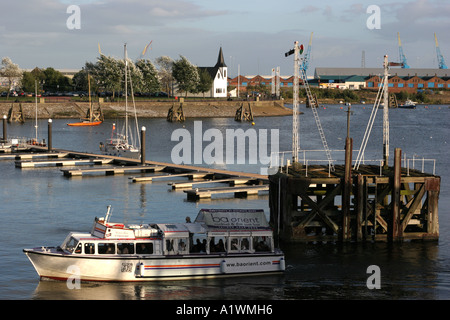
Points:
[39,207]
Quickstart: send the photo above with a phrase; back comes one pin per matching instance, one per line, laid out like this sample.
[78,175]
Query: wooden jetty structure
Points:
[373,203]
[242,114]
[176,115]
[81,164]
[16,114]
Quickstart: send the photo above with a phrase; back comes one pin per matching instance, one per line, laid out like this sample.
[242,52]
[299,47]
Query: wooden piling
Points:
[50,140]
[143,130]
[5,138]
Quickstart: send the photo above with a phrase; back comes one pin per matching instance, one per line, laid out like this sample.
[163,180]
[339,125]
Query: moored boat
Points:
[218,243]
[123,144]
[409,104]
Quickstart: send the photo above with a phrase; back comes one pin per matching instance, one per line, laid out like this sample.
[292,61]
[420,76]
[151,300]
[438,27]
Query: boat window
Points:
[199,244]
[78,248]
[144,248]
[125,248]
[89,248]
[245,244]
[182,246]
[262,243]
[217,244]
[71,244]
[239,244]
[106,248]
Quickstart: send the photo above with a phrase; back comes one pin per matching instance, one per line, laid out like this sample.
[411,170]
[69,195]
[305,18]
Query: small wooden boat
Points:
[85,123]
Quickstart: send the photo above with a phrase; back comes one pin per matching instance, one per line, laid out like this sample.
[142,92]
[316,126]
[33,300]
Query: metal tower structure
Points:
[382,95]
[305,62]
[440,57]
[386,111]
[295,126]
[401,54]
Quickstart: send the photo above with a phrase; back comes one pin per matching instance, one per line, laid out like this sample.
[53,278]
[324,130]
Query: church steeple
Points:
[220,60]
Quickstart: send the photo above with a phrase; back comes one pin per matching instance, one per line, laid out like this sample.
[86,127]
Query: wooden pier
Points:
[81,164]
[394,204]
[238,191]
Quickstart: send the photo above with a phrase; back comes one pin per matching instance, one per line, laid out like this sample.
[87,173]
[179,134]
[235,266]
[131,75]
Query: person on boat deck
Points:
[220,246]
[143,248]
[203,246]
[181,246]
[188,219]
[245,244]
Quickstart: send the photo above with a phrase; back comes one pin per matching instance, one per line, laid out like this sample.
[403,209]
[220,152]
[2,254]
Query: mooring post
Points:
[395,225]
[4,128]
[49,145]
[143,129]
[346,230]
[360,203]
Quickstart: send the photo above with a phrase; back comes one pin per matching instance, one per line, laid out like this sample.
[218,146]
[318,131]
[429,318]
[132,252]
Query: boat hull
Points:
[50,264]
[85,124]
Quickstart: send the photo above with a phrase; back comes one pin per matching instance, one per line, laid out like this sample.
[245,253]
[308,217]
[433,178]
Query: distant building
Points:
[219,74]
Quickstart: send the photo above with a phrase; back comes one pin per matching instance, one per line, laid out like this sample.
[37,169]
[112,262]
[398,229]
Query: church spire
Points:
[220,60]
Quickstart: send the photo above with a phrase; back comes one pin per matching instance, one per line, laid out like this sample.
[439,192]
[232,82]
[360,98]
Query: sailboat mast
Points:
[126,93]
[90,104]
[35,99]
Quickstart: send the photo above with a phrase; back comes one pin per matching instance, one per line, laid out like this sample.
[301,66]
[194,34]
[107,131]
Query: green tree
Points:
[150,82]
[55,81]
[186,75]
[29,78]
[205,81]
[80,80]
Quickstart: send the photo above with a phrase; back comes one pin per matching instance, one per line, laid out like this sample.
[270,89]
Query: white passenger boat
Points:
[218,243]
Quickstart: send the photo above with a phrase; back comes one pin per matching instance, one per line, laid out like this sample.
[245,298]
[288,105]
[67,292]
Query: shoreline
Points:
[150,109]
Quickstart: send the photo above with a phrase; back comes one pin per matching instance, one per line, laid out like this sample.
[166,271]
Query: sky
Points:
[253,34]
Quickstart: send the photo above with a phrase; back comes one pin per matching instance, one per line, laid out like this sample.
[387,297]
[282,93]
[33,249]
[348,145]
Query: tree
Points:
[10,71]
[165,65]
[107,73]
[80,80]
[186,75]
[29,78]
[55,81]
[150,82]
[205,81]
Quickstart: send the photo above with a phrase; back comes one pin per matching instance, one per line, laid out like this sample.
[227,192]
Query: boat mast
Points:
[35,96]
[90,104]
[126,93]
[386,113]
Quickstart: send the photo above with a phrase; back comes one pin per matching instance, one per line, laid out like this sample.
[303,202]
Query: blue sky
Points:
[254,34]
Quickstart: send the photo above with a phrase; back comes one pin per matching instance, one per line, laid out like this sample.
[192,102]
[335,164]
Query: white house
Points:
[219,75]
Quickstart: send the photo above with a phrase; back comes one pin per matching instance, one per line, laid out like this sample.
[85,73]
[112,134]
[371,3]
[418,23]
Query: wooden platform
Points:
[196,194]
[109,171]
[157,177]
[61,163]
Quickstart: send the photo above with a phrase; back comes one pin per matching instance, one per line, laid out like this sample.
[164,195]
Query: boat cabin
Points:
[213,232]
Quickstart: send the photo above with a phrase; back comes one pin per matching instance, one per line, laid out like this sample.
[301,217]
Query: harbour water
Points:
[40,206]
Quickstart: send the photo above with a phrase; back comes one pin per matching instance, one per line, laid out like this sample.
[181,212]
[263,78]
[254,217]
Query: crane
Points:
[401,54]
[305,62]
[440,57]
